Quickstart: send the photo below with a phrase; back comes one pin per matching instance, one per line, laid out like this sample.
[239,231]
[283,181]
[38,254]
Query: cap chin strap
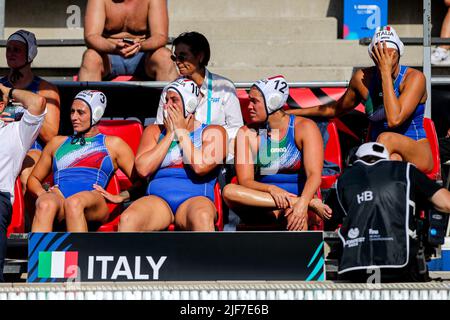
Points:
[79,136]
[16,75]
[265,105]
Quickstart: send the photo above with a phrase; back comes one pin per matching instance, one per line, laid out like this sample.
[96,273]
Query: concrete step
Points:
[259,29]
[292,74]
[296,53]
[51,33]
[256,29]
[409,30]
[250,54]
[214,9]
[53,57]
[225,29]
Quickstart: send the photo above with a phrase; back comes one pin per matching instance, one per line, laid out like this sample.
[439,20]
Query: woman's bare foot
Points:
[321,209]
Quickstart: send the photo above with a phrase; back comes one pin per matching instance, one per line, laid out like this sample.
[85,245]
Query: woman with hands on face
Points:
[182,158]
[279,159]
[394,97]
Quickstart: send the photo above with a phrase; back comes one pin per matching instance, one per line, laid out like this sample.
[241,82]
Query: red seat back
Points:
[17,224]
[130,131]
[430,131]
[333,147]
[244,101]
[114,209]
[333,154]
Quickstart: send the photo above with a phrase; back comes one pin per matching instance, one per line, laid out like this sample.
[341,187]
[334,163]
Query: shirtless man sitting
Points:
[126,37]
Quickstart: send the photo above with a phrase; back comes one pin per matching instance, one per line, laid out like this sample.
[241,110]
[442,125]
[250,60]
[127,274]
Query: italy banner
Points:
[58,264]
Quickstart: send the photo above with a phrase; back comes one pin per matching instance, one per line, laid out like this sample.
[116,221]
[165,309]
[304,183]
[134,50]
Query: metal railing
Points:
[412,41]
[240,85]
[264,290]
[65,42]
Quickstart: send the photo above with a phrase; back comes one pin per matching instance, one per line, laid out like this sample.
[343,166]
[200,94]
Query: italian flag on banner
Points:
[58,264]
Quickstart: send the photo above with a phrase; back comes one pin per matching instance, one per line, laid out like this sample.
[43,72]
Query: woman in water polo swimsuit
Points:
[394,97]
[182,158]
[278,158]
[80,164]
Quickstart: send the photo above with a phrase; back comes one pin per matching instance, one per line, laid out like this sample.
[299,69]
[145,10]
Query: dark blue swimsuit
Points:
[412,127]
[279,162]
[175,182]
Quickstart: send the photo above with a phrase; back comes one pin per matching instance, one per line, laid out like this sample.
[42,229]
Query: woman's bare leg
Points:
[417,152]
[196,214]
[149,213]
[49,206]
[83,207]
[237,195]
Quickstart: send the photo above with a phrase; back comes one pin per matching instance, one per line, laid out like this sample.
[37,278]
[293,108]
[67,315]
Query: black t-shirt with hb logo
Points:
[378,201]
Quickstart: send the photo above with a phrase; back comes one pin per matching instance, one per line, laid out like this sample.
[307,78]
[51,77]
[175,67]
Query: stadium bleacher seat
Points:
[17,224]
[435,173]
[332,154]
[130,131]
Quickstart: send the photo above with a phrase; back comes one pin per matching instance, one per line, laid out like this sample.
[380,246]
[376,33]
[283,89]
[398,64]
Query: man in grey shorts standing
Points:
[126,37]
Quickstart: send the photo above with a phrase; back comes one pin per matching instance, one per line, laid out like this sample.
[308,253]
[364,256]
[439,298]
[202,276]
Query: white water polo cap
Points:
[189,93]
[29,39]
[373,149]
[275,92]
[389,35]
[96,101]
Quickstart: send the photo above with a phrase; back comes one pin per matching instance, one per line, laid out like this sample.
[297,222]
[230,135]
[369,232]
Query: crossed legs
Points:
[401,147]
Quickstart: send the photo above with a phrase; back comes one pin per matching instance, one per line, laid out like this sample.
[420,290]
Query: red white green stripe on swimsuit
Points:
[77,167]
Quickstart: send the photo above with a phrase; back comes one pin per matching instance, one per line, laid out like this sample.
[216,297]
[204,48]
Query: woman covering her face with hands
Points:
[394,97]
[181,158]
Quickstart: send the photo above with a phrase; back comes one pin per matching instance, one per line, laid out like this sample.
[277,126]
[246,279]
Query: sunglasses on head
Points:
[180,58]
